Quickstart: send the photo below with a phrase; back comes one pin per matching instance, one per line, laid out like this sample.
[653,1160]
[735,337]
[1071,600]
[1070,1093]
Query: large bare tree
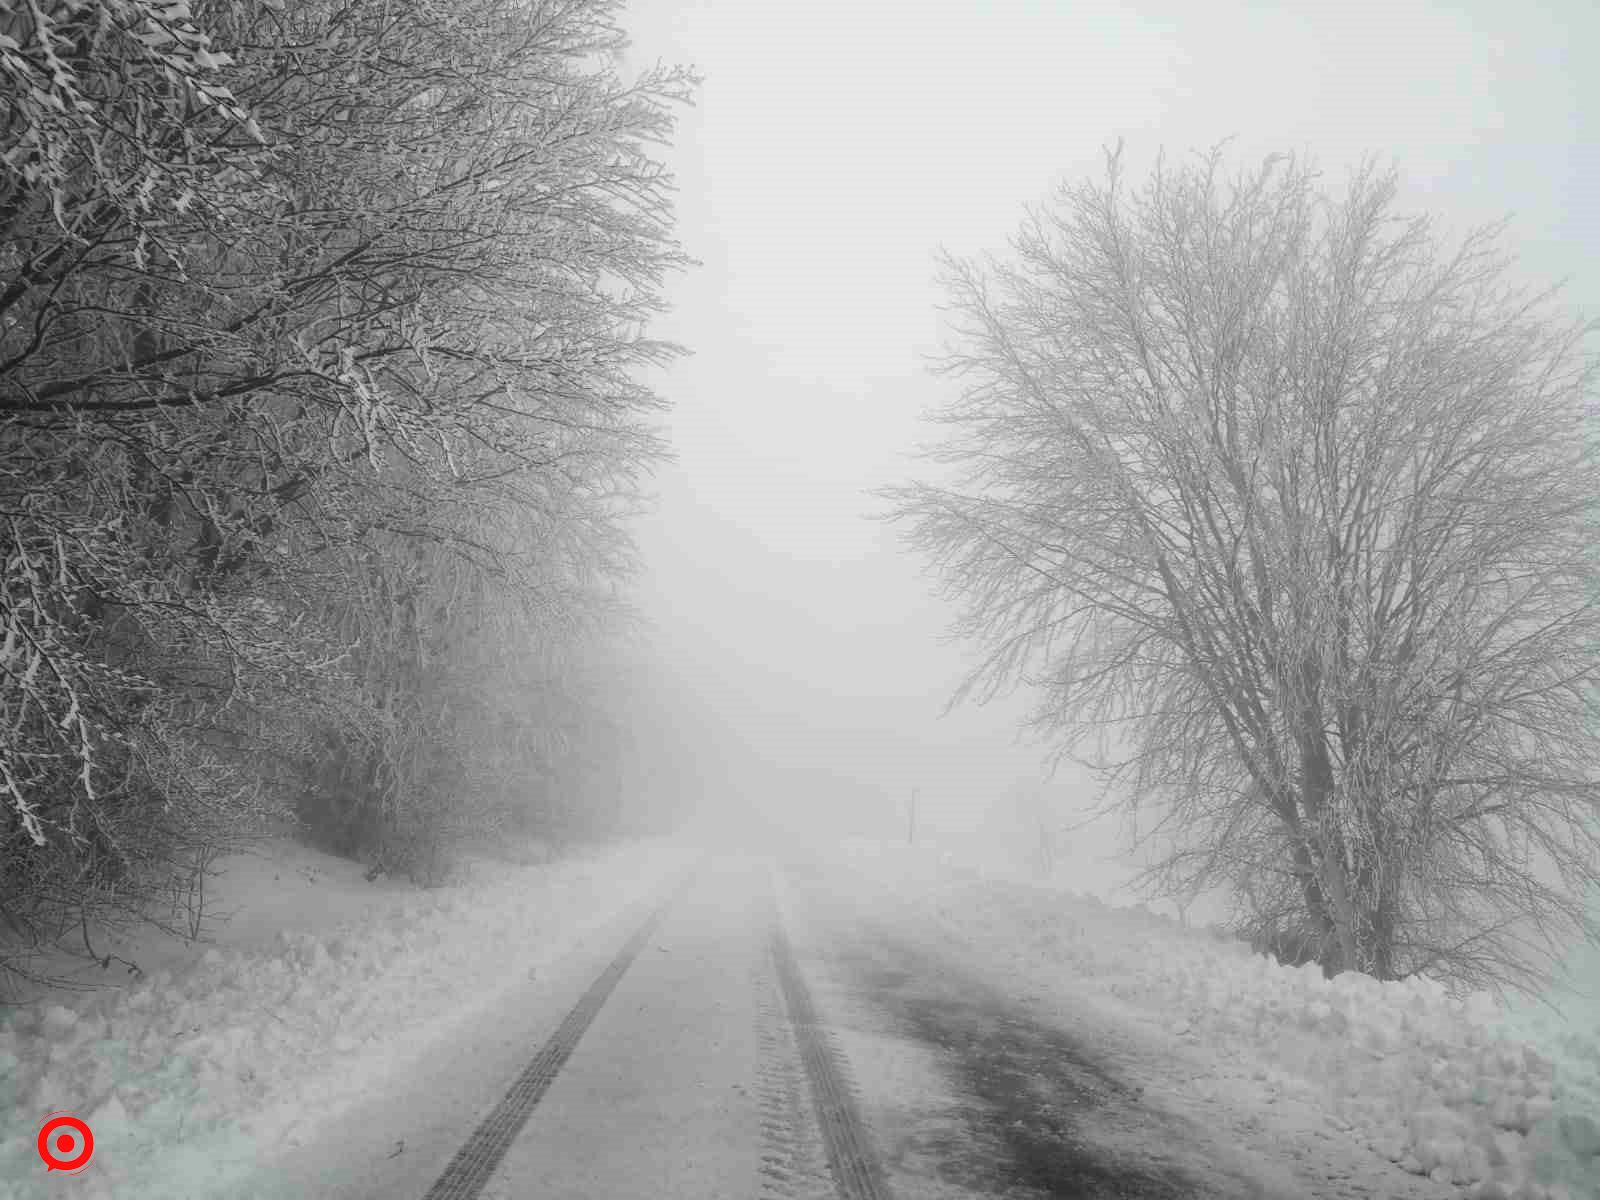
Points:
[1285,507]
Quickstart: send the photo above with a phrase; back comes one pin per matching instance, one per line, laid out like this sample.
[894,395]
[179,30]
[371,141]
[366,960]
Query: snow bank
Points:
[189,1073]
[1444,1087]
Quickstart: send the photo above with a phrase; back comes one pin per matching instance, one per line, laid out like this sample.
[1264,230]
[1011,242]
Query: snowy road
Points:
[690,1067]
[661,1096]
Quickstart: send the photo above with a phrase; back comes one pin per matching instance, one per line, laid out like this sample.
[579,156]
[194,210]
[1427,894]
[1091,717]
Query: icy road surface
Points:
[972,1092]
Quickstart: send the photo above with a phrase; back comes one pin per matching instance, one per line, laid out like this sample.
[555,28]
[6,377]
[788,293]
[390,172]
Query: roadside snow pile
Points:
[1442,1086]
[186,1068]
[1567,1026]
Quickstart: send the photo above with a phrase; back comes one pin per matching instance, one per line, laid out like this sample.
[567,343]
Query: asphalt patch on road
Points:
[1041,1102]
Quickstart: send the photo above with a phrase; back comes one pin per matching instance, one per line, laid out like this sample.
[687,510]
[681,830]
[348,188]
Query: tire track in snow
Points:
[473,1164]
[857,1174]
[793,1163]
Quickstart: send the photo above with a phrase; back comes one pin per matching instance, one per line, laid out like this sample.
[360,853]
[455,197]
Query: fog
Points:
[836,146]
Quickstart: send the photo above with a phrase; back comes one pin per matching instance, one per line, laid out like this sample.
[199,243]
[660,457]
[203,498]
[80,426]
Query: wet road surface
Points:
[971,1094]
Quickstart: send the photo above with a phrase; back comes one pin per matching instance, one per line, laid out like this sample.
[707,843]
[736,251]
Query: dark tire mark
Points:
[793,1163]
[856,1171]
[477,1159]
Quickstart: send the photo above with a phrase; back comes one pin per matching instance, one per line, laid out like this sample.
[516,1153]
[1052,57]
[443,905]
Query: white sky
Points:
[835,146]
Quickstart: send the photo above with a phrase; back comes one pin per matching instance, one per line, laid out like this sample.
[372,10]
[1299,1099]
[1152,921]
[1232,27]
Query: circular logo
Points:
[65,1143]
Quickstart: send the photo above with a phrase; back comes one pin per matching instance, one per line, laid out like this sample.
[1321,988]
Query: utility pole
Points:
[911,819]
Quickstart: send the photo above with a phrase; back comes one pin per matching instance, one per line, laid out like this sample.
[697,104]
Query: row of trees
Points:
[1287,508]
[320,326]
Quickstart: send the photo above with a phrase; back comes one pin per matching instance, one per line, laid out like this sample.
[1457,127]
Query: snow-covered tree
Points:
[319,325]
[1285,507]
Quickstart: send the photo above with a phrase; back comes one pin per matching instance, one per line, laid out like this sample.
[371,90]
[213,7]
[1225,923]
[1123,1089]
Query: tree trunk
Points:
[1316,786]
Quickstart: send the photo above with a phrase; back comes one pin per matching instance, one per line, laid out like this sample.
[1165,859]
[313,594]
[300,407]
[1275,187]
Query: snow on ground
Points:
[1495,1103]
[216,1055]
[322,981]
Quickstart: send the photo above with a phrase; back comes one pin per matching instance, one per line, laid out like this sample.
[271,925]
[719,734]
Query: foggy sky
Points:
[836,145]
